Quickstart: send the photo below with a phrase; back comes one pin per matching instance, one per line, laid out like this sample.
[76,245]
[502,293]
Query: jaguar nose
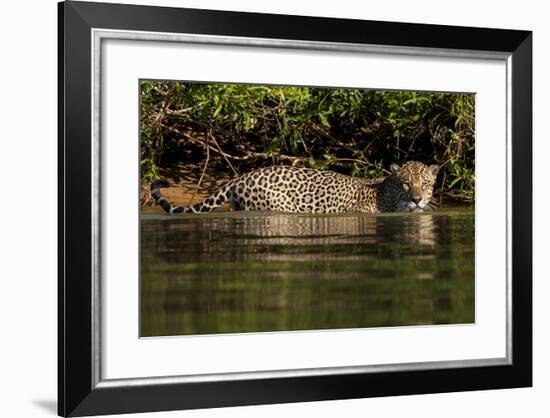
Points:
[416,199]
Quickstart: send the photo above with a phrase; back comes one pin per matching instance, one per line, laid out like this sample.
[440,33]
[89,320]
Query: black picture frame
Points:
[79,395]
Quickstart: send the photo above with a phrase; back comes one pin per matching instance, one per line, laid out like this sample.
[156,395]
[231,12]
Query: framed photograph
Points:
[265,208]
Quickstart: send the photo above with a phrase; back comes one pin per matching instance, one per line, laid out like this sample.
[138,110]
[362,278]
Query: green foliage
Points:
[357,132]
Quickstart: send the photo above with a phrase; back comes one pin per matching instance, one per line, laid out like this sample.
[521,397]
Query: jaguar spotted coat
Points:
[304,190]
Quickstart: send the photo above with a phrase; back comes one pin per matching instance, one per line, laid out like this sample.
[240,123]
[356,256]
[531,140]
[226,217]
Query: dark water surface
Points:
[254,271]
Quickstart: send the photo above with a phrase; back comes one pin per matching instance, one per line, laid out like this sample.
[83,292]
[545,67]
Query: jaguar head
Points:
[417,182]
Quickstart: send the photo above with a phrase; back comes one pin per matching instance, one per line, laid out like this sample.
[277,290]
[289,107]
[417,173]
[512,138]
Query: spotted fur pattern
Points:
[305,190]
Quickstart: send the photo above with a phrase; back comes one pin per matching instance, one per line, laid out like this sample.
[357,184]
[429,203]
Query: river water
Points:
[254,272]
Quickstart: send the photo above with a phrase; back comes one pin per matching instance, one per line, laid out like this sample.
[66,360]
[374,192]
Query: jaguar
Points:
[408,188]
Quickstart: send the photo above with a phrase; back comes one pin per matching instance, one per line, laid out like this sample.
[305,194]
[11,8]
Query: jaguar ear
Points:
[395,168]
[434,169]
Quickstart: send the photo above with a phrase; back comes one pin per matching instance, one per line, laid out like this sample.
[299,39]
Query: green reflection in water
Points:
[251,272]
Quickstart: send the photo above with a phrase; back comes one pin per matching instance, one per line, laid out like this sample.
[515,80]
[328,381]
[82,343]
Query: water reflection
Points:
[244,272]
